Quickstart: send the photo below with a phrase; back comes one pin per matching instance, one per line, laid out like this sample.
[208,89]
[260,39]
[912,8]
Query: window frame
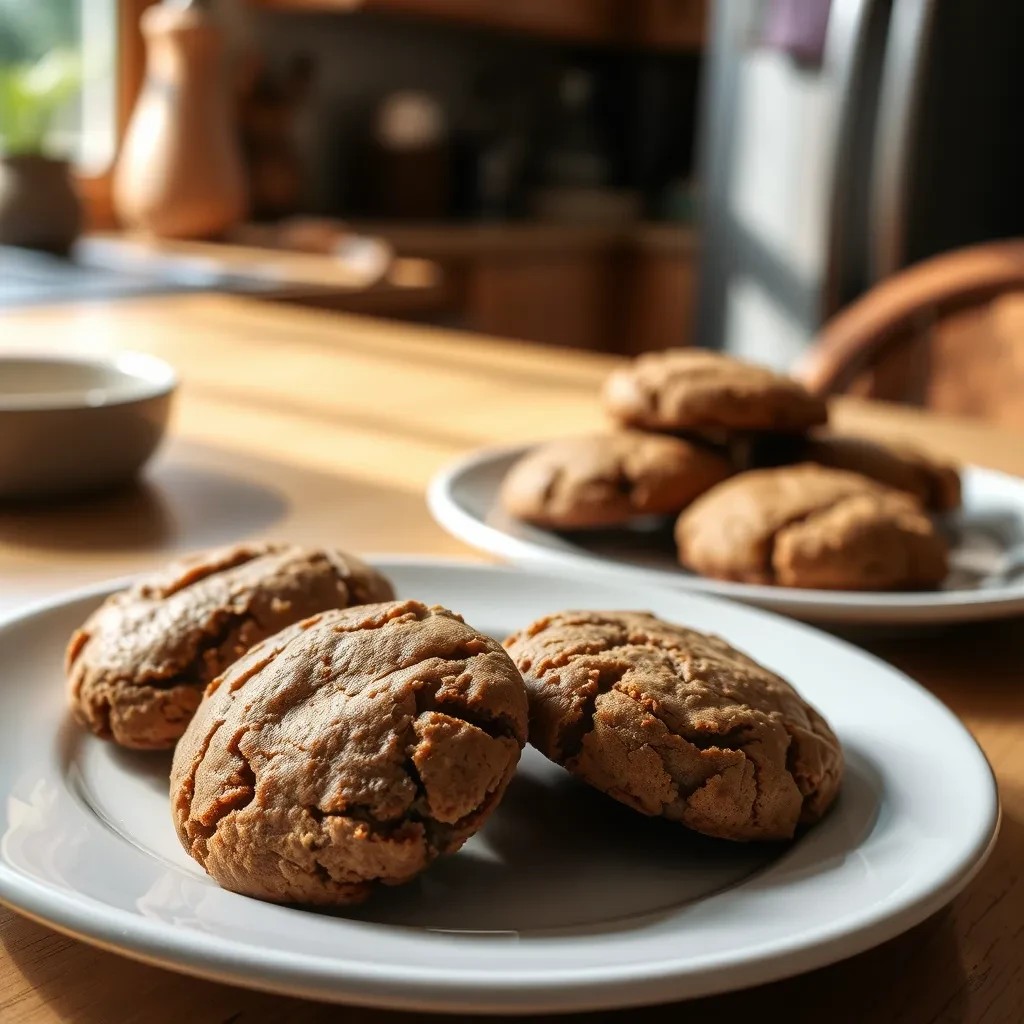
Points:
[96,190]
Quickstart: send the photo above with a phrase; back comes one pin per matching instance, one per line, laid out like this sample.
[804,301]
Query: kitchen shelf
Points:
[627,288]
[669,25]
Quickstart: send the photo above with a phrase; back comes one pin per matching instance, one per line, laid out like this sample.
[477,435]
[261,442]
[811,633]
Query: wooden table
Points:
[325,428]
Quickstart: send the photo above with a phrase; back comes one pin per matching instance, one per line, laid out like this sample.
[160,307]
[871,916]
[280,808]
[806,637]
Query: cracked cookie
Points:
[137,668]
[691,389]
[676,723]
[348,751]
[811,526]
[605,480]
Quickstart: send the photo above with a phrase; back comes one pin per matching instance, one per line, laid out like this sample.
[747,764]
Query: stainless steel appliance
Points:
[841,141]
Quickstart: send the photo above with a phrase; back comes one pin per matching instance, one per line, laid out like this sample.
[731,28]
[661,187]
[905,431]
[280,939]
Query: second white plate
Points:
[987,536]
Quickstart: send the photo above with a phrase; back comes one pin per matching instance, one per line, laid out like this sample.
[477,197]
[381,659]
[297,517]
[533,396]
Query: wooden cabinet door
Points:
[659,298]
[671,24]
[580,20]
[560,299]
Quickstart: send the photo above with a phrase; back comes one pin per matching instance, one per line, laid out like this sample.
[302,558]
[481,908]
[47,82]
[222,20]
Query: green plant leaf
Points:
[30,94]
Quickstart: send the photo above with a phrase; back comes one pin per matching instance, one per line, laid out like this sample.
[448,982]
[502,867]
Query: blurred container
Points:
[180,173]
[410,158]
[38,206]
[578,156]
[70,424]
[599,206]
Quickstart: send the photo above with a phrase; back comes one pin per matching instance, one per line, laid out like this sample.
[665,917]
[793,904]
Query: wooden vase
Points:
[180,172]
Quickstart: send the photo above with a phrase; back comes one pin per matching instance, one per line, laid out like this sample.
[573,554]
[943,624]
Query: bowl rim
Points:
[147,377]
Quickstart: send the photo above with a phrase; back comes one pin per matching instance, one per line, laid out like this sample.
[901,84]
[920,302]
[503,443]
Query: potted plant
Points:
[38,205]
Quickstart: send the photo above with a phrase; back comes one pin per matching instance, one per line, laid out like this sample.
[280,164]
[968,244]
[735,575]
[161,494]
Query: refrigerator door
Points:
[948,160]
[896,132]
[783,153]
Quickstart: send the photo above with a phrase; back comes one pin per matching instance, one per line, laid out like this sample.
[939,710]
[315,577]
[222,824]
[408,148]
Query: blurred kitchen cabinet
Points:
[671,24]
[659,290]
[578,20]
[656,24]
[560,300]
[626,289]
[594,21]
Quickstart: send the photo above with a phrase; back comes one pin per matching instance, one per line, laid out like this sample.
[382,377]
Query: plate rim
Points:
[828,606]
[420,988]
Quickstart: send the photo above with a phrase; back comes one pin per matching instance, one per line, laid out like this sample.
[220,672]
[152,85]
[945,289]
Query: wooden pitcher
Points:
[180,172]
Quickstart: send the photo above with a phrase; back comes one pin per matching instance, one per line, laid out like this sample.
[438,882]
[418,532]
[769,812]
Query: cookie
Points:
[934,483]
[691,389]
[676,723]
[137,668]
[346,752]
[810,526]
[606,480]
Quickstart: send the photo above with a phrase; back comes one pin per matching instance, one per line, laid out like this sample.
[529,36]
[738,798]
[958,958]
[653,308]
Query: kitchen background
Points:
[531,160]
[603,174]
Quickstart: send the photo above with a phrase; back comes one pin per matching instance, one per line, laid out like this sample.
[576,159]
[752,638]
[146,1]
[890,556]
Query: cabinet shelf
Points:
[668,25]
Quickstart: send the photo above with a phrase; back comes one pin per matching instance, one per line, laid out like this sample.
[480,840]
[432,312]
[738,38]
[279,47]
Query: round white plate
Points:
[566,900]
[987,551]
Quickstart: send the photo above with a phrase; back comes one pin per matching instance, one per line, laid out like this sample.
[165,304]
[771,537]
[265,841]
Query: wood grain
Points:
[326,428]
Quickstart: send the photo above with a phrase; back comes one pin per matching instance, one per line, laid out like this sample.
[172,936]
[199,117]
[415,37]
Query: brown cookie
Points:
[676,723]
[606,480]
[810,526]
[934,483]
[692,389]
[138,667]
[348,751]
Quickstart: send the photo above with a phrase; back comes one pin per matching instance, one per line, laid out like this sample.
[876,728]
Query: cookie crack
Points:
[241,791]
[572,736]
[494,724]
[734,739]
[552,485]
[212,634]
[437,833]
[188,787]
[214,638]
[808,789]
[797,520]
[199,572]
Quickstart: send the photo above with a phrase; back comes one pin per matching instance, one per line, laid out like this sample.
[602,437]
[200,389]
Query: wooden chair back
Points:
[946,334]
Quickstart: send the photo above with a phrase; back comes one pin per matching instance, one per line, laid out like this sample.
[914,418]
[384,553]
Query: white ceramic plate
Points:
[987,537]
[566,900]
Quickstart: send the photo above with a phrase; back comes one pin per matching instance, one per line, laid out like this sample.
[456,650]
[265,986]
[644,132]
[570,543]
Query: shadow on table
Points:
[200,495]
[179,499]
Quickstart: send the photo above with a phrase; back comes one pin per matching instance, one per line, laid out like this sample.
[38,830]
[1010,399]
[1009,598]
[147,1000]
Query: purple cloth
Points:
[797,27]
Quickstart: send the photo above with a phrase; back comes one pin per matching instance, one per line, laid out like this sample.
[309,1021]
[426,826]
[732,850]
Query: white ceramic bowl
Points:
[72,424]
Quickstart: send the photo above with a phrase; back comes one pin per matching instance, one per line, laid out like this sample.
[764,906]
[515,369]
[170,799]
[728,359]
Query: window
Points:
[85,128]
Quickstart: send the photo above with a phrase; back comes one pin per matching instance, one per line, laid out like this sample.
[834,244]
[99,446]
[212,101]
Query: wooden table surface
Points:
[326,428]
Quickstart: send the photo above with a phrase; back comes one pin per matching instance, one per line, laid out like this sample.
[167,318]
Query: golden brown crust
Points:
[676,723]
[348,751]
[695,389]
[606,480]
[137,668]
[810,526]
